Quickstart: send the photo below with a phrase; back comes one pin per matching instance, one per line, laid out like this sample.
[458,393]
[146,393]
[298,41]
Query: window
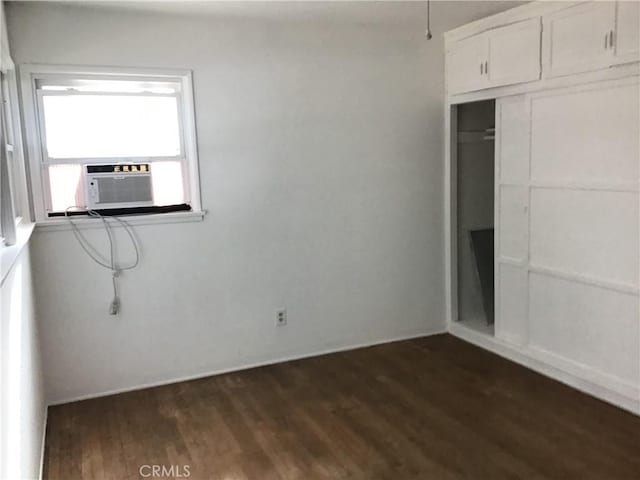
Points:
[118,121]
[13,143]
[13,202]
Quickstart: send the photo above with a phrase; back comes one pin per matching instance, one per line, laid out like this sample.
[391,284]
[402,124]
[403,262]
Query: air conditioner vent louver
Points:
[124,189]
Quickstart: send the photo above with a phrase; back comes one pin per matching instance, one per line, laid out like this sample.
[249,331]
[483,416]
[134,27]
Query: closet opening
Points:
[474,226]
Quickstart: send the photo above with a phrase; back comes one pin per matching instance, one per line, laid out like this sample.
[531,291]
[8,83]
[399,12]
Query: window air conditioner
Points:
[118,186]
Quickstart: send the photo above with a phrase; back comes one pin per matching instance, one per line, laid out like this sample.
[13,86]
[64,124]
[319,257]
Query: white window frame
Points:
[13,194]
[18,170]
[31,75]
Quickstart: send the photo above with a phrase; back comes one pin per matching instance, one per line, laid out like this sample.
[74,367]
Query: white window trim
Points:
[29,74]
[20,192]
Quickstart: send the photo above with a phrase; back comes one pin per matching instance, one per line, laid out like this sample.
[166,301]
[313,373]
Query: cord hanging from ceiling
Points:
[428,32]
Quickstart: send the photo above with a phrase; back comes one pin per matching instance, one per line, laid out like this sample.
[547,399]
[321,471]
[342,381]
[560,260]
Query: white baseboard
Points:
[253,364]
[593,385]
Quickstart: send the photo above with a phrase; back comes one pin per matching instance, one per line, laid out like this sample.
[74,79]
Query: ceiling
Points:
[365,12]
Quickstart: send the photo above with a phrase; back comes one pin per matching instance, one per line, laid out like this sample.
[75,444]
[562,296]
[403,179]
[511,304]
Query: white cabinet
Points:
[626,41]
[557,40]
[566,188]
[514,53]
[465,65]
[498,57]
[592,36]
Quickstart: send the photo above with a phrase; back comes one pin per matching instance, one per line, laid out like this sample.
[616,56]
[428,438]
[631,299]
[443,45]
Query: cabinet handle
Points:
[611,39]
[486,68]
[481,68]
[606,41]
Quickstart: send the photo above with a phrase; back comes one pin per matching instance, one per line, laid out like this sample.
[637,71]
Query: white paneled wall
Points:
[568,221]
[593,327]
[587,135]
[590,233]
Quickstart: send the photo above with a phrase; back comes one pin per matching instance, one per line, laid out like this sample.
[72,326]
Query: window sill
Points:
[9,254]
[61,223]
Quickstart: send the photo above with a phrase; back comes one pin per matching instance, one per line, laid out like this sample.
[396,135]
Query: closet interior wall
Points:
[475,213]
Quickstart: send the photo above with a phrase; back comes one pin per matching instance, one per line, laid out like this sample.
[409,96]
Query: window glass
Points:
[67,188]
[167,183]
[99,126]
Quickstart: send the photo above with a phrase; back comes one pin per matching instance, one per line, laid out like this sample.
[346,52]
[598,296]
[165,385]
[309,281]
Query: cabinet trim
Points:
[630,187]
[585,279]
[542,86]
[508,17]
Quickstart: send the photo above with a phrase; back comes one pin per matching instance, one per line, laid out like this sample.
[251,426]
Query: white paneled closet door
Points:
[512,219]
[583,309]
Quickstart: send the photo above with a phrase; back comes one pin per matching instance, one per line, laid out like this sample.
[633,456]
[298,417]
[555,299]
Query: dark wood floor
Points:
[433,408]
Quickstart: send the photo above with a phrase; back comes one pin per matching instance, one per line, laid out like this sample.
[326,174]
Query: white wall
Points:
[22,402]
[22,397]
[320,140]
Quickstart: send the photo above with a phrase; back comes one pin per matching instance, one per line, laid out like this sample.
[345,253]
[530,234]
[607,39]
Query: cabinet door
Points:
[578,38]
[627,35]
[514,53]
[512,219]
[465,65]
[584,227]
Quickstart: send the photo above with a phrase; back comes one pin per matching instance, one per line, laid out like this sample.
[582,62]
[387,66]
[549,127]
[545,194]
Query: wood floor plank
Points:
[433,407]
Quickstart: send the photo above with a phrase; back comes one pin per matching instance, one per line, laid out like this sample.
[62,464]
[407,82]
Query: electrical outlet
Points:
[281,317]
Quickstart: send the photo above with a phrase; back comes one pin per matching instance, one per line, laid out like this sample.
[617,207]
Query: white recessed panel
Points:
[586,232]
[513,226]
[513,124]
[511,321]
[591,326]
[586,137]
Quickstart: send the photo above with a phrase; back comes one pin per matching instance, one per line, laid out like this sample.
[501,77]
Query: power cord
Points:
[93,253]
